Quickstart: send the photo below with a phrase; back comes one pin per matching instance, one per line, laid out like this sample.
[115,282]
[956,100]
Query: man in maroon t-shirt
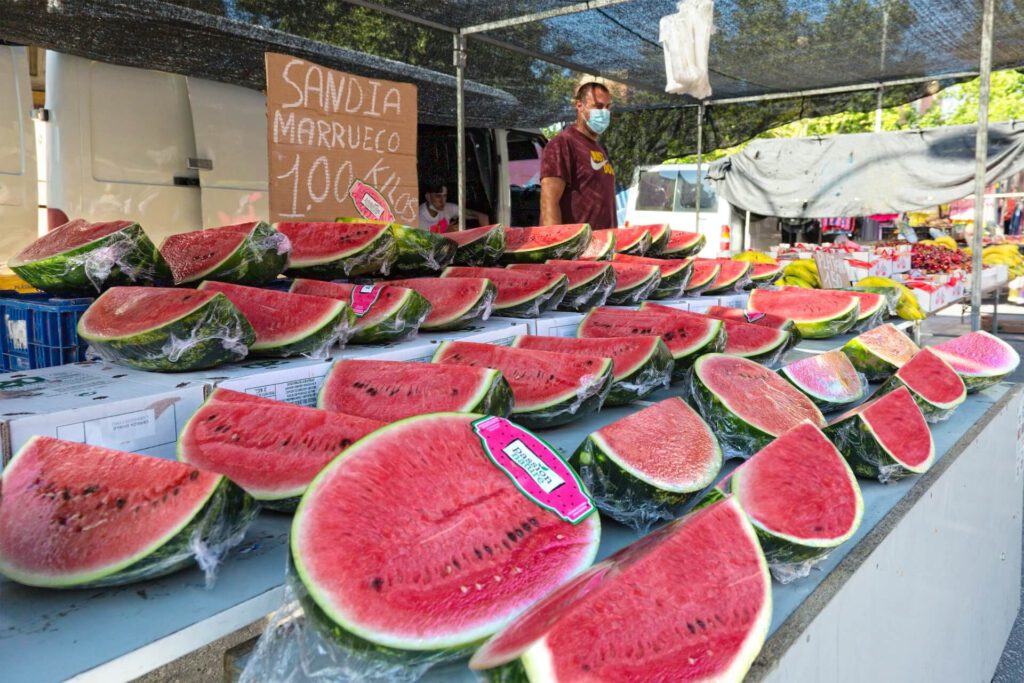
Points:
[577,182]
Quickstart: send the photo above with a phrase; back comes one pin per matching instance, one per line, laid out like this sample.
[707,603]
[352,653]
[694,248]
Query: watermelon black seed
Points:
[175,490]
[534,521]
[519,533]
[66,494]
[456,563]
[526,527]
[511,536]
[690,628]
[63,521]
[194,475]
[700,622]
[119,503]
[91,488]
[488,549]
[479,555]
[377,584]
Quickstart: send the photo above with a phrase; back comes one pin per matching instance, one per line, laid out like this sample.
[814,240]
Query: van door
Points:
[669,194]
[19,204]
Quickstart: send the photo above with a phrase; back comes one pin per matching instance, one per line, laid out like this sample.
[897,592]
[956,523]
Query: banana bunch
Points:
[943,241]
[908,309]
[802,273]
[755,257]
[1004,254]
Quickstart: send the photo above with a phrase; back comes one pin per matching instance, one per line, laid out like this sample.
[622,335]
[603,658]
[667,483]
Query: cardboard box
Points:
[699,304]
[738,300]
[555,324]
[867,264]
[493,331]
[681,304]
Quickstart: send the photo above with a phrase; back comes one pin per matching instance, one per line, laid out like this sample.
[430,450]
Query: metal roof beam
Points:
[539,16]
[838,89]
[412,18]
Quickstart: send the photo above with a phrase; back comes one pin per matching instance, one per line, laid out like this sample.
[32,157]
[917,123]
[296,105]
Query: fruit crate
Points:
[39,331]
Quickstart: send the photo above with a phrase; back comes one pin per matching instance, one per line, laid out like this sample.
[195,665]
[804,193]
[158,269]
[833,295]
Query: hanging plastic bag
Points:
[686,40]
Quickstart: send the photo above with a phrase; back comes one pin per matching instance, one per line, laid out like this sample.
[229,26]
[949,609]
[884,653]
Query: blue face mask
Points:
[598,120]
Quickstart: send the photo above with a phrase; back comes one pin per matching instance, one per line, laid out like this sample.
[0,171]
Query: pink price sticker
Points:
[364,297]
[370,203]
[535,468]
[753,316]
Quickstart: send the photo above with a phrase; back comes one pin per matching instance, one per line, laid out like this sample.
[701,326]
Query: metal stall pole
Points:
[459,53]
[700,153]
[980,162]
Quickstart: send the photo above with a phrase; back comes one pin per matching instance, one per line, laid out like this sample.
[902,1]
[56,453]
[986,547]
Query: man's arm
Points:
[551,190]
[481,219]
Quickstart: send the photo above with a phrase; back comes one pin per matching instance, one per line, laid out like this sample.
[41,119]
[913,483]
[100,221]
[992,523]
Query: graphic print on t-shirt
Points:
[599,161]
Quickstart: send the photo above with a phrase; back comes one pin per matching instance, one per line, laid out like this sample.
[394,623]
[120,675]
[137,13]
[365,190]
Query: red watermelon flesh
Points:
[514,286]
[519,239]
[190,254]
[464,237]
[465,554]
[633,239]
[691,601]
[269,448]
[125,311]
[579,273]
[73,513]
[69,236]
[704,274]
[899,426]
[682,242]
[752,317]
[730,274]
[801,304]
[828,378]
[627,353]
[741,339]
[602,245]
[764,271]
[381,308]
[931,378]
[630,275]
[978,355]
[315,243]
[659,236]
[668,267]
[870,302]
[452,299]
[684,336]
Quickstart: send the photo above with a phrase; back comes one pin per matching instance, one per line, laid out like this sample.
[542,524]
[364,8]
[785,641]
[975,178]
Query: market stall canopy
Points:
[865,173]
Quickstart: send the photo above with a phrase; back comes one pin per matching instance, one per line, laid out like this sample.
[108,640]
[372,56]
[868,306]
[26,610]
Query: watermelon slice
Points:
[675,274]
[634,240]
[455,303]
[640,365]
[935,385]
[383,313]
[388,390]
[83,258]
[521,294]
[589,282]
[686,338]
[761,344]
[634,282]
[289,324]
[723,390]
[660,233]
[549,388]
[880,352]
[752,317]
[325,251]
[76,516]
[536,245]
[373,544]
[982,360]
[245,254]
[886,438]
[818,314]
[641,468]
[732,277]
[762,274]
[601,247]
[691,602]
[829,379]
[479,246]
[421,252]
[157,328]
[681,244]
[269,448]
[705,272]
[802,497]
[874,308]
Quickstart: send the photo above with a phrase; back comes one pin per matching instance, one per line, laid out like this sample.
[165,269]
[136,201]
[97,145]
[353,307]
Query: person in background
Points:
[437,214]
[577,181]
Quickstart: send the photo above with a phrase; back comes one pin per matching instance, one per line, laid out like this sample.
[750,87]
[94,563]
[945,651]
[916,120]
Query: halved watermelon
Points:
[640,365]
[981,359]
[732,276]
[479,246]
[388,390]
[705,272]
[387,576]
[521,294]
[158,328]
[747,404]
[675,274]
[455,303]
[641,468]
[886,438]
[660,233]
[273,450]
[829,379]
[765,273]
[818,314]
[83,258]
[874,308]
[601,247]
[691,602]
[752,317]
[589,282]
[935,385]
[421,252]
[289,324]
[761,344]
[75,516]
[245,254]
[880,352]
[634,282]
[549,388]
[383,313]
[325,251]
[681,244]
[633,240]
[686,338]
[536,245]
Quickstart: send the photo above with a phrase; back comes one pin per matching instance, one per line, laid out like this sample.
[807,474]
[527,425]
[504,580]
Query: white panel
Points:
[12,135]
[18,191]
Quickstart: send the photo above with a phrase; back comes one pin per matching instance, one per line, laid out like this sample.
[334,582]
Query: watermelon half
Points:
[246,254]
[455,303]
[681,244]
[675,274]
[393,313]
[829,379]
[601,247]
[687,338]
[732,277]
[874,308]
[389,390]
[633,240]
[762,274]
[935,385]
[549,388]
[747,404]
[640,365]
[981,359]
[641,468]
[327,250]
[660,233]
[479,246]
[536,245]
[158,328]
[762,344]
[75,516]
[690,602]
[83,258]
[421,252]
[521,294]
[753,317]
[273,450]
[634,282]
[703,275]
[880,352]
[289,324]
[430,548]
[589,282]
[886,438]
[818,314]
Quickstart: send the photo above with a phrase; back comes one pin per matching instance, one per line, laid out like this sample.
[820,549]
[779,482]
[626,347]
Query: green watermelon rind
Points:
[484,251]
[735,284]
[933,412]
[826,403]
[421,251]
[868,362]
[865,453]
[257,260]
[67,273]
[213,333]
[376,256]
[653,372]
[479,309]
[568,249]
[638,248]
[587,295]
[607,254]
[673,285]
[639,292]
[982,378]
[825,328]
[536,303]
[656,247]
[690,250]
[768,353]
[401,322]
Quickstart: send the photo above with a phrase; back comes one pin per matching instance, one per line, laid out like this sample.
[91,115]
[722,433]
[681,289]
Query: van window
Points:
[673,190]
[685,191]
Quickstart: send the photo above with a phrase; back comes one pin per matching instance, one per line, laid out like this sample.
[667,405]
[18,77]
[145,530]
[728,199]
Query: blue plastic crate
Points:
[39,331]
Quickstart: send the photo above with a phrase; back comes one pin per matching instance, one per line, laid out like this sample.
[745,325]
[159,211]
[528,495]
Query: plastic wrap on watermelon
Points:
[421,251]
[641,294]
[892,296]
[735,443]
[127,257]
[647,381]
[342,332]
[741,285]
[595,296]
[590,396]
[872,321]
[264,241]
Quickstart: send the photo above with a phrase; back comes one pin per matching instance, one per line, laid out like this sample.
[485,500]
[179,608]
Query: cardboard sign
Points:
[339,144]
[831,271]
